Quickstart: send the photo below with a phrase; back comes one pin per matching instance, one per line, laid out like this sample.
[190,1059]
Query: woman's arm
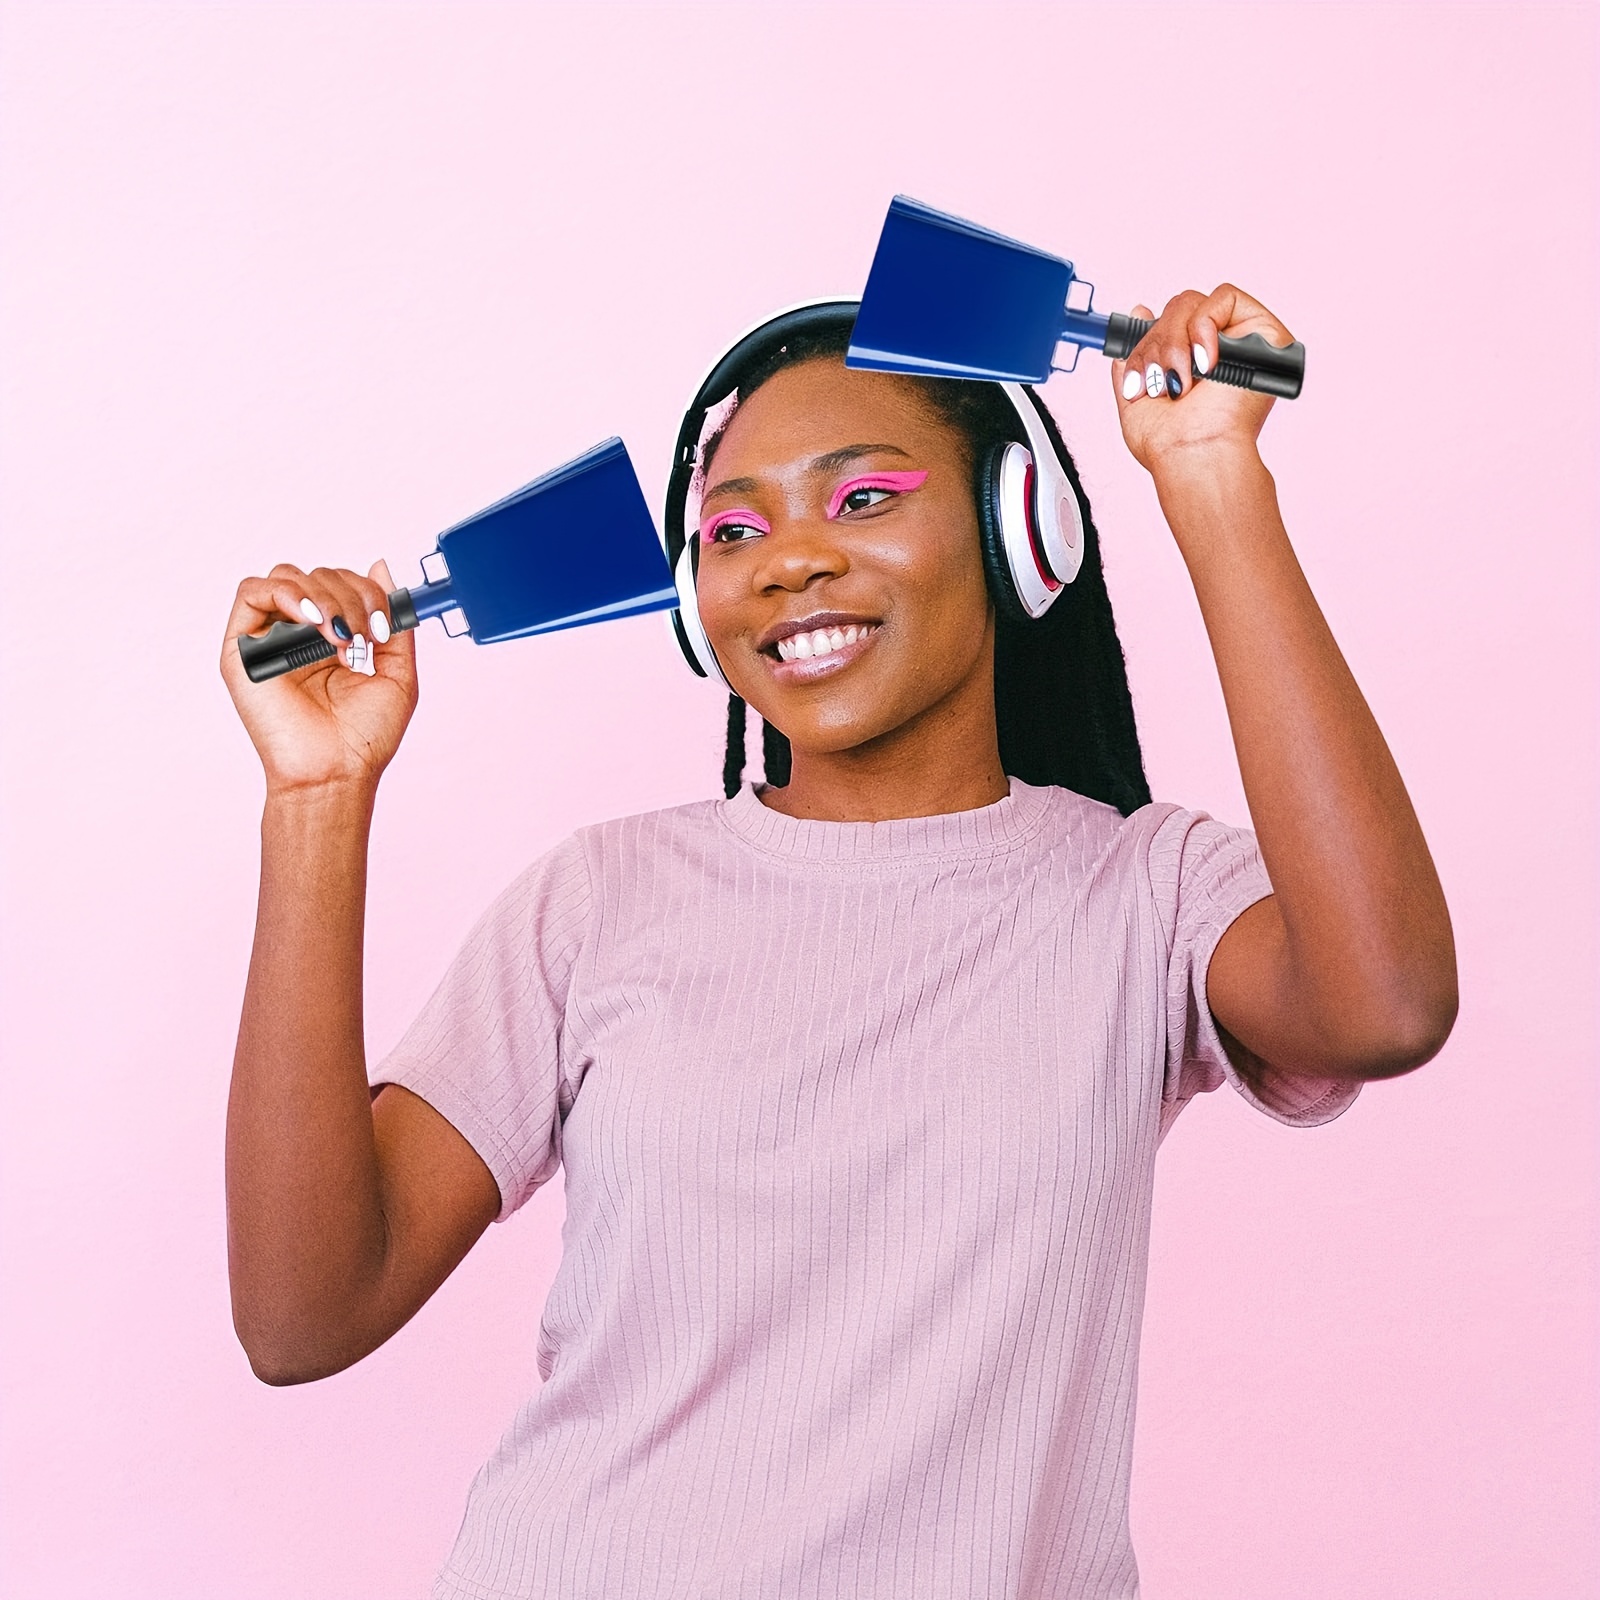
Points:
[1348,970]
[344,1213]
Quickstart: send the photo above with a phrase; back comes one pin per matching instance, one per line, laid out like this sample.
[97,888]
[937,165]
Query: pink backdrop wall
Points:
[310,282]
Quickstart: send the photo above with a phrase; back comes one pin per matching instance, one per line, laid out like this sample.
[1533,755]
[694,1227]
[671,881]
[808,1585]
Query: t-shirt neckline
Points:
[983,831]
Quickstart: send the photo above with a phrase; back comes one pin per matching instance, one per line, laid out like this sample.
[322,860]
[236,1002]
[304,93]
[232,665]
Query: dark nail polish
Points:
[1174,383]
[341,629]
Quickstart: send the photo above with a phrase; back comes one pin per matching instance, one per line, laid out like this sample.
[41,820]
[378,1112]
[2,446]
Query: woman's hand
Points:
[1169,418]
[338,722]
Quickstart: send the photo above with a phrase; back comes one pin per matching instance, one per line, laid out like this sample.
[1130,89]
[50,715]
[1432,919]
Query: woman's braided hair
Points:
[1062,704]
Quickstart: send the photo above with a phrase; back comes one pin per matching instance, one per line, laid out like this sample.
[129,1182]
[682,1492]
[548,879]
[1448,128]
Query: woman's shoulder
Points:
[614,851]
[646,830]
[1100,836]
[1065,813]
[561,884]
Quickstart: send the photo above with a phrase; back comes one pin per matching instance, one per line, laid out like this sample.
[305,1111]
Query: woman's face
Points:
[840,580]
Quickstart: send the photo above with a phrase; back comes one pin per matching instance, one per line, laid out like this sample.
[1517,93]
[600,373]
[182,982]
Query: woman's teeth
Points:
[821,642]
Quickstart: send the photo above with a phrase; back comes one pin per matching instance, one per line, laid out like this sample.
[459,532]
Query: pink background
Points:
[311,282]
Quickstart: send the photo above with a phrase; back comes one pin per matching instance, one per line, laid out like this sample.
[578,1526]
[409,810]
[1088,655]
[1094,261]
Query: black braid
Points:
[1062,703]
[776,757]
[733,761]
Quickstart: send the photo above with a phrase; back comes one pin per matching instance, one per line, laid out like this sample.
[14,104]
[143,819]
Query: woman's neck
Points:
[947,760]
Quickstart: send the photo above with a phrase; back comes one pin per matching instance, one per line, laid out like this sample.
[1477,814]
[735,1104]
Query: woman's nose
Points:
[797,552]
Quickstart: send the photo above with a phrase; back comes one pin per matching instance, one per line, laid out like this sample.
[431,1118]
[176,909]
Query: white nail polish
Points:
[1155,381]
[1132,385]
[380,627]
[1202,363]
[355,653]
[311,612]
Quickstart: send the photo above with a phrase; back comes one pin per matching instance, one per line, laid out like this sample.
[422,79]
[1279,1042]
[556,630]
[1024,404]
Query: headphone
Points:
[1030,523]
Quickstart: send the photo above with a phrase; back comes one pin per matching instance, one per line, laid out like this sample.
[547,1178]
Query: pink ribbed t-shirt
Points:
[858,1123]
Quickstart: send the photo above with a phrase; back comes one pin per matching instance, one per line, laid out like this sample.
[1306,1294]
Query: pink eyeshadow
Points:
[899,482]
[754,519]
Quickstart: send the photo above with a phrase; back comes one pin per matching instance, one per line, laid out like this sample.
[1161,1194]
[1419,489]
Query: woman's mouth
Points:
[815,652]
[821,641]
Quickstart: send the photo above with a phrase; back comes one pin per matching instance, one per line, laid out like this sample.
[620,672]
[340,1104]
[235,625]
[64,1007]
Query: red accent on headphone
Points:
[1035,543]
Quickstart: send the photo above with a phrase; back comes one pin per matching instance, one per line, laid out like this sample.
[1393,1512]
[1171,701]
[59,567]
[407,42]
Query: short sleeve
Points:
[486,1051]
[1217,873]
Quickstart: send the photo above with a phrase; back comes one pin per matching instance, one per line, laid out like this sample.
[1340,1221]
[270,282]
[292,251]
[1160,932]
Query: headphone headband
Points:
[753,347]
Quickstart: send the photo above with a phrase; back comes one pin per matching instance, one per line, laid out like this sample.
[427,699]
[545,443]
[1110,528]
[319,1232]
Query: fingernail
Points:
[310,610]
[380,627]
[356,654]
[1174,383]
[1132,385]
[341,628]
[1202,362]
[1154,383]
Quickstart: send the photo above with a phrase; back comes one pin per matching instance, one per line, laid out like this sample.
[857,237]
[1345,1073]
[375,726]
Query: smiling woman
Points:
[1062,709]
[799,544]
[856,1080]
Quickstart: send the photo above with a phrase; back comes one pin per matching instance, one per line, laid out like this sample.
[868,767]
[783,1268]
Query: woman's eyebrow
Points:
[835,459]
[732,486]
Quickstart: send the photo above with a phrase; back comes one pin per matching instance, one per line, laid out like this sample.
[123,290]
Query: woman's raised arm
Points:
[344,1213]
[1348,970]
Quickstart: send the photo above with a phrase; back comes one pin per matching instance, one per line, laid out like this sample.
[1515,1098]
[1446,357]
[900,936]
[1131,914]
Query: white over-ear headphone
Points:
[1035,511]
[686,623]
[1030,521]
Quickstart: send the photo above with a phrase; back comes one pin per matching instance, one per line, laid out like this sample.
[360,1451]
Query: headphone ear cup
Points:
[686,622]
[992,536]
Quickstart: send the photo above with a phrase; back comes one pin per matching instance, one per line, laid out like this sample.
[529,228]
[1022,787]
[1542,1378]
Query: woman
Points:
[856,1078]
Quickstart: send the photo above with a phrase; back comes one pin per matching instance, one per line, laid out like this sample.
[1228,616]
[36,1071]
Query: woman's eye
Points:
[867,491]
[733,532]
[860,499]
[734,527]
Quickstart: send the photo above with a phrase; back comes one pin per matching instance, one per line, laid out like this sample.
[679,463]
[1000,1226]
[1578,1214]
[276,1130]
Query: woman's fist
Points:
[1164,409]
[339,721]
